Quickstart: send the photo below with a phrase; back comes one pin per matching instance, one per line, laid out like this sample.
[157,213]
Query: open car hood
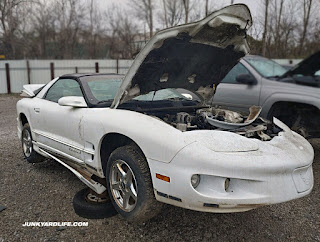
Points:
[307,67]
[194,56]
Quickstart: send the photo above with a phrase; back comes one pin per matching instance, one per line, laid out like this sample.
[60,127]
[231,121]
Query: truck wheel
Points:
[88,205]
[27,146]
[130,186]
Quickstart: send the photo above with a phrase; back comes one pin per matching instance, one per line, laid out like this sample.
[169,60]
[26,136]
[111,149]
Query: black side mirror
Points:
[246,79]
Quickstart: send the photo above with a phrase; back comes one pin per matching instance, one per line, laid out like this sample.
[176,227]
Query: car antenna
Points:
[155,90]
[154,93]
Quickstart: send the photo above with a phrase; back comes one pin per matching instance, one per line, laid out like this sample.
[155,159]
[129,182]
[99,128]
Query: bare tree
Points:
[123,37]
[164,3]
[265,27]
[70,16]
[144,11]
[80,29]
[172,13]
[307,5]
[43,27]
[207,7]
[186,6]
[275,22]
[95,29]
[10,21]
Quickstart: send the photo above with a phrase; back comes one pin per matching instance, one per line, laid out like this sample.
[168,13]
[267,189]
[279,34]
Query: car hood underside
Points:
[194,56]
[307,67]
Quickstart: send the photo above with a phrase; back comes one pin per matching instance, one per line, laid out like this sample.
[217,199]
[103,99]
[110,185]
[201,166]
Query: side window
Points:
[235,71]
[63,88]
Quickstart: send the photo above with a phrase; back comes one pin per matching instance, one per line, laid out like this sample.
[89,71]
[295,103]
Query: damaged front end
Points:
[195,57]
[208,118]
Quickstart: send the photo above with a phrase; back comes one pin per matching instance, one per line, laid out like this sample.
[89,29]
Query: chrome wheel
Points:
[123,185]
[26,143]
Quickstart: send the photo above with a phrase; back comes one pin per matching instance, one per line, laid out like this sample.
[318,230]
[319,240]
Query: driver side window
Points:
[235,71]
[63,88]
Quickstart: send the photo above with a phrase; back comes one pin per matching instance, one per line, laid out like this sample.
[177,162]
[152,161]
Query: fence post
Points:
[28,72]
[117,66]
[97,67]
[52,70]
[8,78]
[76,69]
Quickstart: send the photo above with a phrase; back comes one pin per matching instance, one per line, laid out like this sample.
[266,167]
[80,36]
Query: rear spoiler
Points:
[31,90]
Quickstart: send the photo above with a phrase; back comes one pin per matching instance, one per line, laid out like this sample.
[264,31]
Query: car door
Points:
[233,95]
[59,128]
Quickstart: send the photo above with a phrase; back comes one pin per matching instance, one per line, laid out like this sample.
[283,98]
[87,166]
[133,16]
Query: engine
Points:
[212,118]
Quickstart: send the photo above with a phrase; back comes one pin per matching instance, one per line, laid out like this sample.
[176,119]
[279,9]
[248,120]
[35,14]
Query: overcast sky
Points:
[254,5]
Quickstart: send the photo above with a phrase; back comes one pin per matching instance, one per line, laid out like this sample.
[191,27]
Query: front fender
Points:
[158,140]
[287,97]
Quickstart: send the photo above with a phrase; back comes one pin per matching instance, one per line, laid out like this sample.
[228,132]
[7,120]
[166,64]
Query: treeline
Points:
[69,29]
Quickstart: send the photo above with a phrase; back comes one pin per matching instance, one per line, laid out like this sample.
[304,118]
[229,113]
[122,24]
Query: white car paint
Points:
[260,172]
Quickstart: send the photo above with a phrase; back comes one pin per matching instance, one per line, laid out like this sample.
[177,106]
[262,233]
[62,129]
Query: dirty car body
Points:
[212,160]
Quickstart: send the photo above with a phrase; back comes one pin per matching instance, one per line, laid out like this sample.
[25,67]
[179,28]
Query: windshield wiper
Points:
[105,101]
[276,76]
[181,99]
[175,98]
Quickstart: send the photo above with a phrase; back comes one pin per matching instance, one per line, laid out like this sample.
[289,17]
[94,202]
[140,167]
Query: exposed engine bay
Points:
[189,118]
[220,119]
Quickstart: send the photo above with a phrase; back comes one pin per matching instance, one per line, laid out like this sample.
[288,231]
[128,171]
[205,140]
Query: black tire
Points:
[31,156]
[146,206]
[92,210]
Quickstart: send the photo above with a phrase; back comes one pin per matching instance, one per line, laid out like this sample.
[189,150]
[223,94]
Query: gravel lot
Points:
[44,192]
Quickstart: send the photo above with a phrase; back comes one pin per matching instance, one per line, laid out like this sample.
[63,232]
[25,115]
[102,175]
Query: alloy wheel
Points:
[123,185]
[26,143]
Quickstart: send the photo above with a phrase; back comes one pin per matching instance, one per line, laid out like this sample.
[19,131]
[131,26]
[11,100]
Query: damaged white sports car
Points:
[142,141]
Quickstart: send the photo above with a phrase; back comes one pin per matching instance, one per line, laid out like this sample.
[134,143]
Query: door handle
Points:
[37,110]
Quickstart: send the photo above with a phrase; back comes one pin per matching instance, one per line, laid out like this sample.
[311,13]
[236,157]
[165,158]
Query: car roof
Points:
[77,75]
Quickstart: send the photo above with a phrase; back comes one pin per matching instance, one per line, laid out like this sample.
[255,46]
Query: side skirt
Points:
[86,179]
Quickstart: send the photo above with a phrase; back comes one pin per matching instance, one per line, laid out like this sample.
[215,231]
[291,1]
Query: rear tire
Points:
[130,186]
[27,147]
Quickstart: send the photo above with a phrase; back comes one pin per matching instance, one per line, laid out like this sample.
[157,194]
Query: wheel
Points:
[27,146]
[87,204]
[130,186]
[302,119]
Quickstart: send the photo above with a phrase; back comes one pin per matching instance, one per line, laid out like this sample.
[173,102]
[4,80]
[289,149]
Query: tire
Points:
[27,147]
[92,210]
[131,194]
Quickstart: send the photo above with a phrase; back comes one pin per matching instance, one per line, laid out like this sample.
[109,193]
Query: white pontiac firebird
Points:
[141,140]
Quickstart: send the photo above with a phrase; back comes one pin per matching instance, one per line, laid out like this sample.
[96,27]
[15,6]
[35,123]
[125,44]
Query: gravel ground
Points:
[44,192]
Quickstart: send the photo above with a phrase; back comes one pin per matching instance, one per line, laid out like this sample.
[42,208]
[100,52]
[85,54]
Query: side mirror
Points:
[246,79]
[73,101]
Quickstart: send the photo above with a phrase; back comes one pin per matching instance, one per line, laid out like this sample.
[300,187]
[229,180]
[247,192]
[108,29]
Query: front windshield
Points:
[105,89]
[266,67]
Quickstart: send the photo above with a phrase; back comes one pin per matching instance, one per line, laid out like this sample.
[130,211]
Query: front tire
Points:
[130,186]
[27,147]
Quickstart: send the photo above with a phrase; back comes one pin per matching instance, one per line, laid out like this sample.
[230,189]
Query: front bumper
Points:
[281,170]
